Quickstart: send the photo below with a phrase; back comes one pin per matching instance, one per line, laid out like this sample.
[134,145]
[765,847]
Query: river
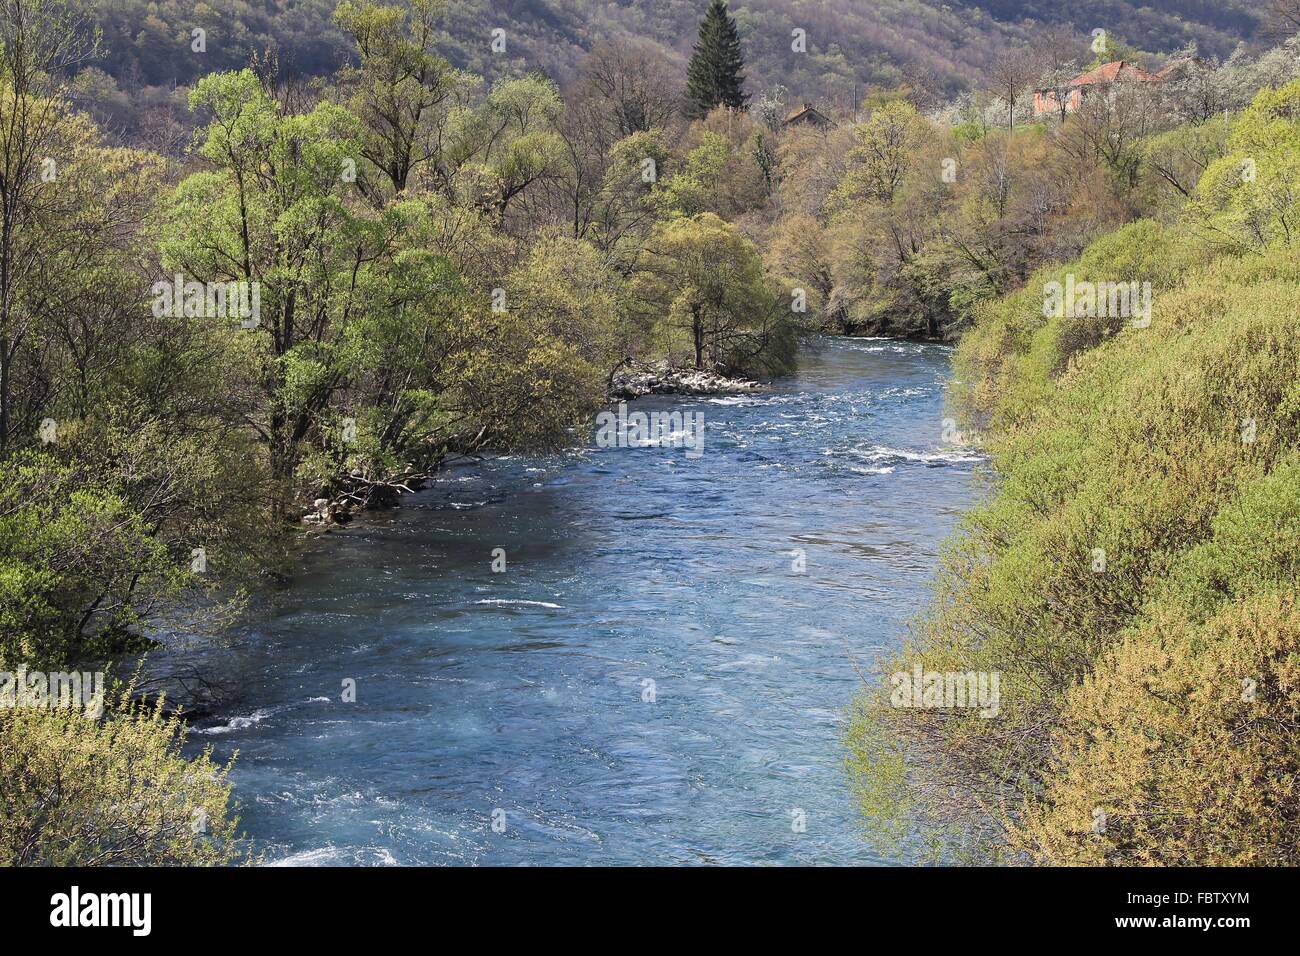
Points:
[650,680]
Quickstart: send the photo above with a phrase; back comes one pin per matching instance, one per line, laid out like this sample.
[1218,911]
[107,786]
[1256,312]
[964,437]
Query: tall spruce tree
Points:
[714,75]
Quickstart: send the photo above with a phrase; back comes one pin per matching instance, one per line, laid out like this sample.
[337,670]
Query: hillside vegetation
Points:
[1133,576]
[948,46]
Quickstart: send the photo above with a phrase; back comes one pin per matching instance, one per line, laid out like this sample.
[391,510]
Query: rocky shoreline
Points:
[630,383]
[664,380]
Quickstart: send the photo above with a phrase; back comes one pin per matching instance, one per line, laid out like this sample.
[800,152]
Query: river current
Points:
[661,674]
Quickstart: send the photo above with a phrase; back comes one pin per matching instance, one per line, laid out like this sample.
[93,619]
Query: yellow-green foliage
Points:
[701,290]
[1247,198]
[1132,579]
[86,792]
[1008,361]
[1183,745]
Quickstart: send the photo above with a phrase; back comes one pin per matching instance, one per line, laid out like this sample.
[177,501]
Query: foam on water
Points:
[509,601]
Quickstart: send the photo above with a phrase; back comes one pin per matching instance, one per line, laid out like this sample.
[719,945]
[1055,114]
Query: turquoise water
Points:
[525,696]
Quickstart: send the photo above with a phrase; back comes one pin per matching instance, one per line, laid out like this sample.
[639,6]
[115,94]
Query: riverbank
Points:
[627,384]
[1131,579]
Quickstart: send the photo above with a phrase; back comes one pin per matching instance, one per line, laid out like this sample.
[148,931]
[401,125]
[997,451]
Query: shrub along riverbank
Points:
[1132,579]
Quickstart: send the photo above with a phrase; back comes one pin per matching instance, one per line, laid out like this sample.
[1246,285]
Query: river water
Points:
[650,680]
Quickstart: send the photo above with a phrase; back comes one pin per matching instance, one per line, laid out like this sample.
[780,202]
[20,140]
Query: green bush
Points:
[113,792]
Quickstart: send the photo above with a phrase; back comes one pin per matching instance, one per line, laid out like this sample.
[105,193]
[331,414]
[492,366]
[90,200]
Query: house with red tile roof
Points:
[1070,97]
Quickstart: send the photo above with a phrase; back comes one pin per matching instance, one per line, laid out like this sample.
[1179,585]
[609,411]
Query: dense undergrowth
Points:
[1132,576]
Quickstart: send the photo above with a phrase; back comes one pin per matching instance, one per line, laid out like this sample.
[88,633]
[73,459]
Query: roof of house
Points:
[809,111]
[1115,71]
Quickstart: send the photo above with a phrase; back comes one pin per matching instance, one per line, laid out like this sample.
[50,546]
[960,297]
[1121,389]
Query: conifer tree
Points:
[714,75]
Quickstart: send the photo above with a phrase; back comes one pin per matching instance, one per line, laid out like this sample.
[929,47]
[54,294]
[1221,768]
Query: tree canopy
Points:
[714,76]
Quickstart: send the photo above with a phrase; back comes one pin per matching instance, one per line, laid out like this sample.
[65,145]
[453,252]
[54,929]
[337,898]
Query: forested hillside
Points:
[946,46]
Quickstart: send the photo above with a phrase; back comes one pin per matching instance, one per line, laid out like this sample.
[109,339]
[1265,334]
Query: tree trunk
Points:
[4,392]
[697,330]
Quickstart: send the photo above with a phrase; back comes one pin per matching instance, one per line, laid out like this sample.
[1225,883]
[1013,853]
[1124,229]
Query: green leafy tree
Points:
[274,208]
[701,290]
[624,212]
[400,92]
[714,74]
[1109,48]
[1248,198]
[512,139]
[40,40]
[692,189]
[537,368]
